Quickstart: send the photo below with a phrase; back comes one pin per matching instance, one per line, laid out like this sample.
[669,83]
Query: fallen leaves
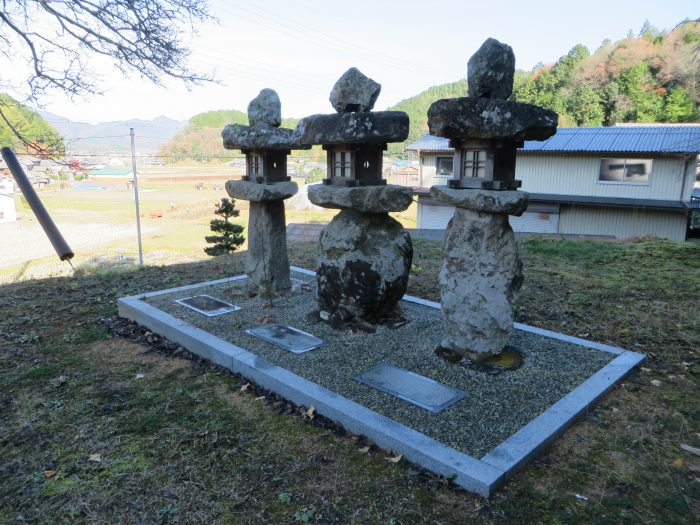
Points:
[310,413]
[394,459]
[95,457]
[49,473]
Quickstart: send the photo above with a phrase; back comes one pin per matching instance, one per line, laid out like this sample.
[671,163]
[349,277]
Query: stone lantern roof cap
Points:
[264,132]
[237,136]
[485,113]
[483,118]
[375,127]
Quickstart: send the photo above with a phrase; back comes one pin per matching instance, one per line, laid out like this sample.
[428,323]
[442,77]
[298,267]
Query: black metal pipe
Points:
[59,243]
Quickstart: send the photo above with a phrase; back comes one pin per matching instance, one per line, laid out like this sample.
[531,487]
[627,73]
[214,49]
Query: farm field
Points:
[100,225]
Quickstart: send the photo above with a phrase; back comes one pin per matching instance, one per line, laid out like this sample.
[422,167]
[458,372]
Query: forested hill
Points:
[201,138]
[417,109]
[40,137]
[652,77]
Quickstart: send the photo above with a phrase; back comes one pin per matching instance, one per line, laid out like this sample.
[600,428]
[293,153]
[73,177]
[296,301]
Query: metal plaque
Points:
[286,337]
[208,305]
[411,387]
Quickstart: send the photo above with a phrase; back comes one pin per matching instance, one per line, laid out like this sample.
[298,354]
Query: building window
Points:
[342,164]
[475,163]
[444,166]
[625,171]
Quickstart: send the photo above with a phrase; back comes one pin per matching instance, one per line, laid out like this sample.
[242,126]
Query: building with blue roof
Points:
[621,181]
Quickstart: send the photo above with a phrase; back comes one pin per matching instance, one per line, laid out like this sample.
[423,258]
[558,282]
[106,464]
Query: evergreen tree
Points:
[315,175]
[229,234]
[585,107]
[678,106]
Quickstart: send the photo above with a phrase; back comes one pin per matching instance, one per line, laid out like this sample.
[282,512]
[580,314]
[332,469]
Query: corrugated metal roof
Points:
[615,139]
[430,143]
[622,139]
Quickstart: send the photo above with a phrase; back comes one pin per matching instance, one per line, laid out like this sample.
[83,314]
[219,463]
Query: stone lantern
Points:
[364,254]
[266,185]
[482,270]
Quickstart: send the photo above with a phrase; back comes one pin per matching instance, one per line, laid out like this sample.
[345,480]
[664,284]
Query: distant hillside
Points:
[32,127]
[113,137]
[201,138]
[417,109]
[651,77]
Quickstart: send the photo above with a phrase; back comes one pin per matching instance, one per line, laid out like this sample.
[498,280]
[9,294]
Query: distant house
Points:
[111,174]
[8,211]
[402,172]
[622,181]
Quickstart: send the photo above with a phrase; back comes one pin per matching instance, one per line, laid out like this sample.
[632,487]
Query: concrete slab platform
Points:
[482,476]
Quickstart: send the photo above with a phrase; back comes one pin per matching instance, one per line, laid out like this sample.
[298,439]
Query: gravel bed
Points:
[496,405]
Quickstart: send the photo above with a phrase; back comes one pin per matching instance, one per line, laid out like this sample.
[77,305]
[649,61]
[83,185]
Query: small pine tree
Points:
[230,235]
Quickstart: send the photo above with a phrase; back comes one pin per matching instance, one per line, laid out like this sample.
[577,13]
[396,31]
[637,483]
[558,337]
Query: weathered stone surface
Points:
[267,262]
[490,71]
[480,275]
[237,136]
[371,199]
[490,201]
[376,127]
[483,118]
[364,262]
[265,109]
[354,92]
[256,192]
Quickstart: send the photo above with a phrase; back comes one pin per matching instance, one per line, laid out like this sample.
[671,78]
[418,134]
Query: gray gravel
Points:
[496,406]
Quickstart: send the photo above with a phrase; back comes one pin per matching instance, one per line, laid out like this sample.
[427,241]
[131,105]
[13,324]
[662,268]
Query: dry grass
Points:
[183,444]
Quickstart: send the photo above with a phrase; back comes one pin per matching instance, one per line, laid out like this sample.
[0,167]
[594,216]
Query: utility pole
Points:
[136,195]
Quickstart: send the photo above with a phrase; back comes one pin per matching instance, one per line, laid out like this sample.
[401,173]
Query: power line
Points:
[312,35]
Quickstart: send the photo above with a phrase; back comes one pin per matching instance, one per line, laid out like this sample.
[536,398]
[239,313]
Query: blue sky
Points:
[300,48]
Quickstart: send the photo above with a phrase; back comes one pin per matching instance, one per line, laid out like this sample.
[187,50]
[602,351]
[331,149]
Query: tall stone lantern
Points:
[266,186]
[364,254]
[482,271]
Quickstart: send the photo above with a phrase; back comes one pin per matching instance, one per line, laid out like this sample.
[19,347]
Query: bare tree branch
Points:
[56,41]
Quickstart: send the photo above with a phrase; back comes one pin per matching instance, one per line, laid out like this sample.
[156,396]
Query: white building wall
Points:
[622,223]
[672,178]
[567,174]
[533,222]
[436,217]
[428,168]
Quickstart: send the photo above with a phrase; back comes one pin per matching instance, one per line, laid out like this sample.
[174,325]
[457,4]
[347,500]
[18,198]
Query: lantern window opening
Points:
[342,165]
[255,165]
[474,164]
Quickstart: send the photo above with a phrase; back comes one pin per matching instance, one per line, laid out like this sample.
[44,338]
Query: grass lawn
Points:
[102,429]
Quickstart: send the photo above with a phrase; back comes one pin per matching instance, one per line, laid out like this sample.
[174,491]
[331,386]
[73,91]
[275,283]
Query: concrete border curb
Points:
[482,476]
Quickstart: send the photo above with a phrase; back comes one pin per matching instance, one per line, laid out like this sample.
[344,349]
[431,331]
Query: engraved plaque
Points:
[411,387]
[286,337]
[208,305]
